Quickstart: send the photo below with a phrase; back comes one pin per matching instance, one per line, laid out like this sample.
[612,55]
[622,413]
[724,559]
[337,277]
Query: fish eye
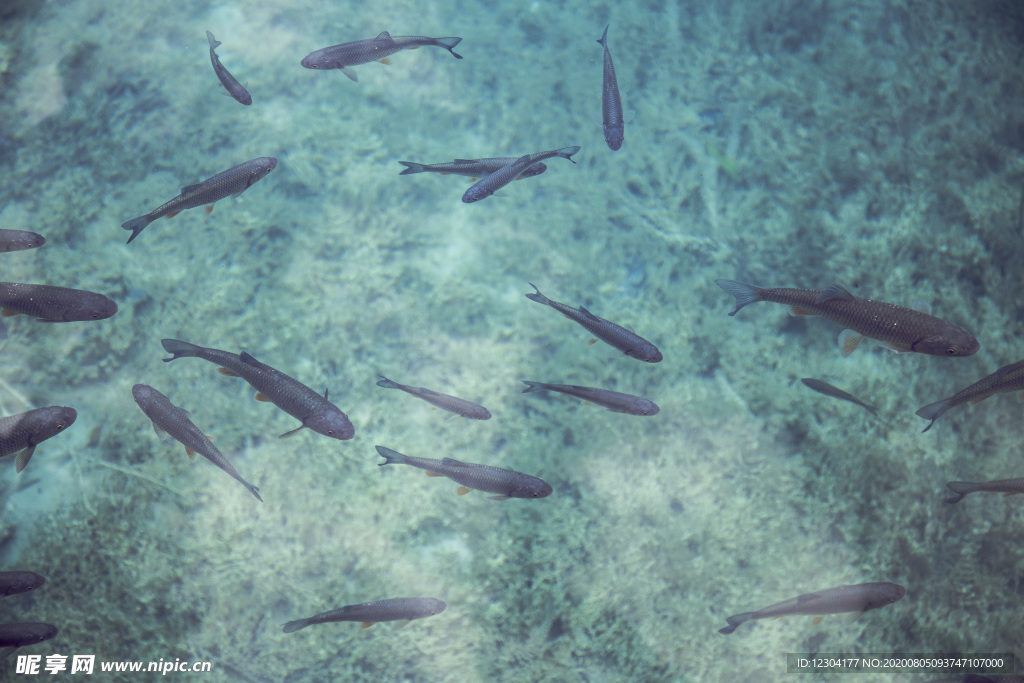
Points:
[60,426]
[951,350]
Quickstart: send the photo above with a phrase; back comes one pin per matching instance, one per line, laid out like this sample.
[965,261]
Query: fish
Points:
[452,404]
[372,50]
[315,412]
[169,418]
[19,240]
[898,329]
[12,583]
[496,180]
[1008,487]
[474,168]
[230,83]
[370,613]
[631,344]
[612,400]
[20,634]
[503,482]
[860,597]
[233,182]
[1007,378]
[21,433]
[829,390]
[49,304]
[611,103]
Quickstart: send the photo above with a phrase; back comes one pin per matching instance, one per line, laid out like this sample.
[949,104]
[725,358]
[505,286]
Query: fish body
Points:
[496,180]
[233,182]
[12,583]
[1007,378]
[18,240]
[631,344]
[835,392]
[20,634]
[898,329]
[169,418]
[452,404]
[1010,487]
[369,613]
[51,304]
[372,50]
[502,481]
[857,598]
[290,395]
[25,431]
[229,82]
[611,103]
[473,168]
[612,400]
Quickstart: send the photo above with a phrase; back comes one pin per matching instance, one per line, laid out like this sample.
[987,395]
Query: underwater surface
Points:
[878,145]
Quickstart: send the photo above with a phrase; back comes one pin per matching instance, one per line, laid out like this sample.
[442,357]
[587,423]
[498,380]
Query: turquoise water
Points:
[787,143]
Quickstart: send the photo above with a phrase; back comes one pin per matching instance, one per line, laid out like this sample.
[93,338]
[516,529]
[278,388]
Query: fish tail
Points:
[533,386]
[214,43]
[411,167]
[932,412]
[179,349]
[735,621]
[961,489]
[448,44]
[390,457]
[538,297]
[293,626]
[254,490]
[136,225]
[567,152]
[603,40]
[386,383]
[745,294]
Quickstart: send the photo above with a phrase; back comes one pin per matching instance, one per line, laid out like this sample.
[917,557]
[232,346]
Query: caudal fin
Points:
[390,457]
[411,167]
[179,349]
[961,489]
[533,386]
[293,626]
[735,621]
[537,296]
[567,152]
[745,294]
[932,412]
[448,44]
[136,225]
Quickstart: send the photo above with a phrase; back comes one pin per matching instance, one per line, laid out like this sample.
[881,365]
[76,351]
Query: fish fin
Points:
[591,341]
[228,372]
[603,40]
[293,626]
[366,624]
[816,620]
[452,462]
[499,497]
[159,431]
[932,412]
[961,489]
[431,474]
[412,167]
[209,207]
[976,401]
[849,341]
[390,456]
[776,618]
[191,453]
[386,61]
[189,188]
[834,292]
[590,403]
[745,294]
[247,358]
[922,306]
[287,434]
[1020,395]
[892,347]
[350,73]
[387,383]
[806,597]
[463,490]
[383,35]
[448,43]
[23,458]
[7,313]
[532,386]
[1012,493]
[735,621]
[401,624]
[588,314]
[260,396]
[4,651]
[325,394]
[214,43]
[172,214]
[797,311]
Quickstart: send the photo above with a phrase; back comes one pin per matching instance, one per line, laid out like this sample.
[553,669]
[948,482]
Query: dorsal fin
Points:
[834,292]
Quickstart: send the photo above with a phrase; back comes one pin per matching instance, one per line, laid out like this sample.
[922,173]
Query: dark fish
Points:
[452,404]
[288,394]
[372,50]
[504,482]
[18,240]
[1007,378]
[1009,487]
[233,181]
[50,304]
[13,636]
[12,583]
[857,598]
[834,392]
[169,418]
[898,329]
[369,613]
[612,400]
[633,345]
[493,182]
[25,431]
[474,168]
[229,82]
[611,103]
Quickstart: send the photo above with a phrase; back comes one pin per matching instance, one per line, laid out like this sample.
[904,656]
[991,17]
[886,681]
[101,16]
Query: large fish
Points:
[14,582]
[452,404]
[229,82]
[233,182]
[1009,487]
[290,395]
[612,400]
[18,240]
[857,598]
[25,431]
[473,168]
[20,634]
[503,482]
[898,329]
[51,304]
[611,103]
[1007,378]
[631,344]
[372,50]
[169,418]
[493,182]
[370,613]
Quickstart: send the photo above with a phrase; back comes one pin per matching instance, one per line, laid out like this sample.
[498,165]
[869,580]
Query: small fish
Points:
[12,583]
[1009,487]
[290,395]
[50,304]
[898,329]
[611,103]
[452,404]
[25,431]
[504,482]
[169,418]
[829,390]
[857,598]
[18,240]
[13,636]
[1007,378]
[631,344]
[372,50]
[233,182]
[496,180]
[229,82]
[369,613]
[474,168]
[612,400]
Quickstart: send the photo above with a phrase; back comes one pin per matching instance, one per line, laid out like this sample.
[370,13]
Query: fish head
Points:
[436,605]
[475,194]
[332,423]
[532,487]
[26,581]
[647,352]
[613,136]
[90,306]
[35,633]
[51,421]
[267,164]
[644,407]
[886,594]
[951,341]
[536,169]
[314,60]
